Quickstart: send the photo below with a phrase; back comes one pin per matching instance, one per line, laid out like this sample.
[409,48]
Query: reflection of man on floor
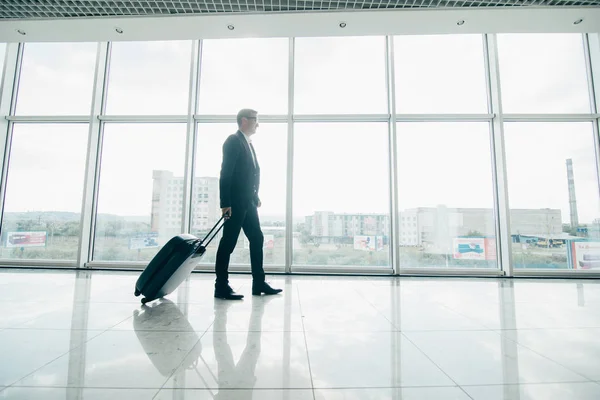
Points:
[242,375]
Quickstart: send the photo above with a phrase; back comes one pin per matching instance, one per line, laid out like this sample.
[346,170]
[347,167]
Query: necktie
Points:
[253,154]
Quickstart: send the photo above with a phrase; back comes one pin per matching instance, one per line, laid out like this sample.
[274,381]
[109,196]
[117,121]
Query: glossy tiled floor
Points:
[82,335]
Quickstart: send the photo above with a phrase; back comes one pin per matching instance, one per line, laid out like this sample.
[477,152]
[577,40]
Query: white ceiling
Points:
[377,22]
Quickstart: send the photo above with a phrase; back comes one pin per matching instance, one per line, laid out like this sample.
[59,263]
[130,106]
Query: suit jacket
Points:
[239,180]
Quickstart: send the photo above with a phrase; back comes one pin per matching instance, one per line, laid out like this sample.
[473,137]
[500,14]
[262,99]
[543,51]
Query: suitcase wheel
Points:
[136,293]
[145,300]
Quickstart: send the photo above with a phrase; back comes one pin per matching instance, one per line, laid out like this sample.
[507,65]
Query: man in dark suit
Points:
[238,185]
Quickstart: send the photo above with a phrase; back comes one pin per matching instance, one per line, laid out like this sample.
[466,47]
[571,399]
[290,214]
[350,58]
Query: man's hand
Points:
[258,204]
[226,212]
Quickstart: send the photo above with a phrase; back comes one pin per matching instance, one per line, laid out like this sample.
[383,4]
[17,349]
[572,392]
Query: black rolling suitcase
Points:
[173,264]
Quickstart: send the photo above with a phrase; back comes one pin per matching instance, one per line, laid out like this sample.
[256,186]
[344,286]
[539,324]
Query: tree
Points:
[113,228]
[67,229]
[27,225]
[567,228]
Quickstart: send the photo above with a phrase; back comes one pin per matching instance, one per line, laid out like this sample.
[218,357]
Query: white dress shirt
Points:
[249,140]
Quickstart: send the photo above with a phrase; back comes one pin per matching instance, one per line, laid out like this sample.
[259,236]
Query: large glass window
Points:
[440,74]
[553,194]
[270,144]
[44,192]
[341,185]
[149,78]
[341,196]
[543,73]
[57,79]
[2,55]
[240,73]
[141,190]
[340,75]
[445,195]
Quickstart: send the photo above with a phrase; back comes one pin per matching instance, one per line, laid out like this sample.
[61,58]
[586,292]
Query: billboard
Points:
[474,248]
[26,239]
[584,255]
[490,248]
[368,243]
[144,241]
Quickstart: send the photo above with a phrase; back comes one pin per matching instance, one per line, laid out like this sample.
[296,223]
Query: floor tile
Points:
[235,394]
[246,360]
[486,358]
[94,316]
[339,309]
[489,315]
[370,359]
[435,393]
[413,316]
[37,393]
[22,351]
[165,315]
[548,391]
[15,313]
[576,349]
[259,313]
[566,292]
[552,315]
[37,286]
[83,334]
[118,359]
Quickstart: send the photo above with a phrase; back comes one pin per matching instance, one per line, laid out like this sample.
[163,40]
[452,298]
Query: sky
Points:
[340,167]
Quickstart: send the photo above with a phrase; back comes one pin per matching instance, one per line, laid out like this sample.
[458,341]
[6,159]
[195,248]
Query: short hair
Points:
[245,113]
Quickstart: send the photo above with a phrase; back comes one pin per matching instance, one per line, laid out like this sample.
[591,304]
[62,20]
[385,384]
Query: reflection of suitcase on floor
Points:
[186,339]
[173,264]
[153,341]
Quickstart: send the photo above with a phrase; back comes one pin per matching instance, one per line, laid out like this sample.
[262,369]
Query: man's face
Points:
[251,123]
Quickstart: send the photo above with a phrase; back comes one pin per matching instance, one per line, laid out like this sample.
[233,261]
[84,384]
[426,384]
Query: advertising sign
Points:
[474,248]
[585,255]
[144,241]
[368,243]
[469,248]
[26,239]
[490,248]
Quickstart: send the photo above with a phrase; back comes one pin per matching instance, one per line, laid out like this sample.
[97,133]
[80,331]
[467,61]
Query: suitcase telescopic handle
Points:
[211,232]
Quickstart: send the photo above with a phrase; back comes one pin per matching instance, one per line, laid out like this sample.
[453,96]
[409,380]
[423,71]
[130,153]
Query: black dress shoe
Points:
[227,293]
[263,287]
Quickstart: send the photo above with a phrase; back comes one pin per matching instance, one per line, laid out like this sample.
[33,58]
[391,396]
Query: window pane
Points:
[149,78]
[543,73]
[440,74]
[340,75]
[2,55]
[44,192]
[341,196]
[57,79]
[240,73]
[136,158]
[270,144]
[553,193]
[445,194]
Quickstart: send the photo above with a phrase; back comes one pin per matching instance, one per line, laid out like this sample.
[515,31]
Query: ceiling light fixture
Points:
[21,32]
[119,30]
[342,24]
[230,27]
[461,22]
[580,20]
